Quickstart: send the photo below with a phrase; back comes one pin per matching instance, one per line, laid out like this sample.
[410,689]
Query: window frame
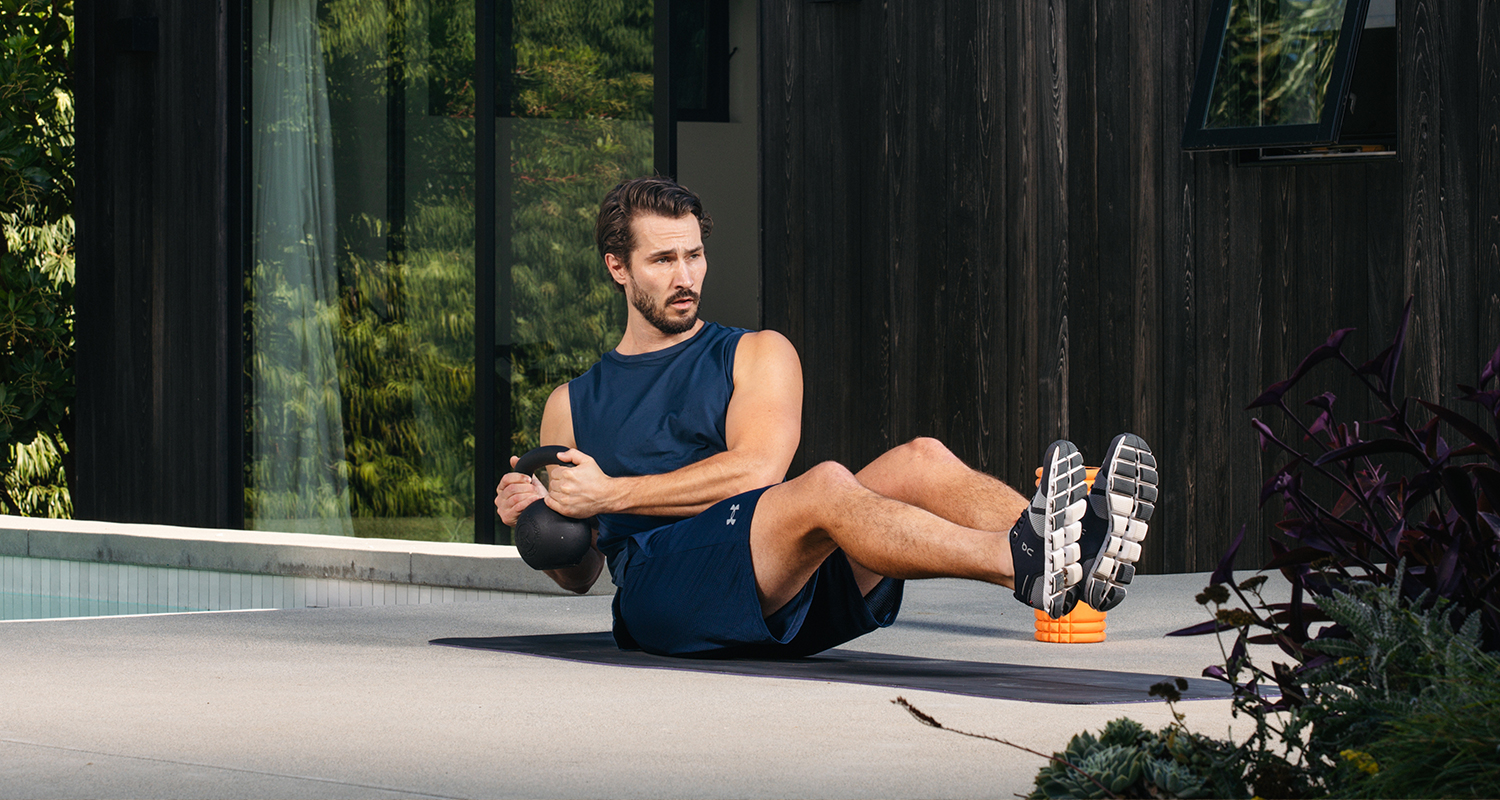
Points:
[1196,136]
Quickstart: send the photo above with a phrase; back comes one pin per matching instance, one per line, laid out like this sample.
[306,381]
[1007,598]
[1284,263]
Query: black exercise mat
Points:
[974,678]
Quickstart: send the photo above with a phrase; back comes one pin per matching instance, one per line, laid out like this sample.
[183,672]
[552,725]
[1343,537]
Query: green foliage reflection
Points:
[583,110]
[1276,63]
[402,103]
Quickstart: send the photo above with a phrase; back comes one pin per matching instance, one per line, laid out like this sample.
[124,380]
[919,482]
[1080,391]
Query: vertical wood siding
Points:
[157,426]
[979,226]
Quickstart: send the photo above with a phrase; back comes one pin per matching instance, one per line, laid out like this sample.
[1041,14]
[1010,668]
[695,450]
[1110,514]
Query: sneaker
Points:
[1044,542]
[1119,506]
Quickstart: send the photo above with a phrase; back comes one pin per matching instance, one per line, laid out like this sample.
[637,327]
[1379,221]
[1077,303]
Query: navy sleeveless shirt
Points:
[653,413]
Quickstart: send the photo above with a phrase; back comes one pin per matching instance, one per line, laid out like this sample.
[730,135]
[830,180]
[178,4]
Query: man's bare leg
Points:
[926,474]
[799,523]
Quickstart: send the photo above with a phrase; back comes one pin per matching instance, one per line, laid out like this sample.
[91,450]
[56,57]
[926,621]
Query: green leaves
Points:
[36,250]
[404,319]
[1126,760]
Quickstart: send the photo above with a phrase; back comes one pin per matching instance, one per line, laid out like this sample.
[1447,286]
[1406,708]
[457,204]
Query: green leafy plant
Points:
[1390,540]
[36,255]
[1445,744]
[36,483]
[1378,700]
[1126,760]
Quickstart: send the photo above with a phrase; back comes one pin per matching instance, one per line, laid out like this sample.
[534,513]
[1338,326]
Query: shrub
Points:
[36,254]
[1388,538]
[1126,760]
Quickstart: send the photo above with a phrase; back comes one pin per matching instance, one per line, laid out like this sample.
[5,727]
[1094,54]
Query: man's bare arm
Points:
[518,491]
[761,430]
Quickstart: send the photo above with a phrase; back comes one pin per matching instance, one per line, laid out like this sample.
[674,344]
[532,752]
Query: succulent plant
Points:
[1126,760]
[1112,768]
[1176,780]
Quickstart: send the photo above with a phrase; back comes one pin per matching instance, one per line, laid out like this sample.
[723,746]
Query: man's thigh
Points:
[690,589]
[788,538]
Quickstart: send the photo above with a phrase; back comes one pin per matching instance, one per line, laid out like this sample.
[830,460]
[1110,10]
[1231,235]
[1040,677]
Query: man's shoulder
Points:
[767,343]
[763,351]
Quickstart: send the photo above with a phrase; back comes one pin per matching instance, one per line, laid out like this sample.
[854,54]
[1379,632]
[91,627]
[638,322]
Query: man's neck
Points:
[643,337]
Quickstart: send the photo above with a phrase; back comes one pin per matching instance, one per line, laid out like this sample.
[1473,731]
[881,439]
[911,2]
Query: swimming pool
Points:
[15,606]
[47,588]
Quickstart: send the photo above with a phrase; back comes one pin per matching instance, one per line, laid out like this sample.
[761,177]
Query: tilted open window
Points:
[1296,79]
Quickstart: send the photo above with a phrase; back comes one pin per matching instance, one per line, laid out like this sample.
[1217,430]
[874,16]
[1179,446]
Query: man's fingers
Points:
[575,457]
[510,507]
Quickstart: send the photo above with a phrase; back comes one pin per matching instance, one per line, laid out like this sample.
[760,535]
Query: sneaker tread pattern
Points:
[1130,477]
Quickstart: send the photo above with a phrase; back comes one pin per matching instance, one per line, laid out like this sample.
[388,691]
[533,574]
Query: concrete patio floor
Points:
[354,702]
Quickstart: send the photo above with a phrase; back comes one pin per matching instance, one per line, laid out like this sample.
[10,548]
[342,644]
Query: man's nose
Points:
[682,274]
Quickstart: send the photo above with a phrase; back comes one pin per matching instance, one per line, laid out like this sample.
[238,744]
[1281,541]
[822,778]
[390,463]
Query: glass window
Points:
[700,60]
[581,122]
[1277,72]
[361,301]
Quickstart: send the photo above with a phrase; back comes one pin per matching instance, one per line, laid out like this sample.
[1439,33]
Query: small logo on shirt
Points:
[734,509]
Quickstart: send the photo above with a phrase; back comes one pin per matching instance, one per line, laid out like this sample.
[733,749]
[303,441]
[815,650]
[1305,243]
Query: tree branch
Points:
[928,720]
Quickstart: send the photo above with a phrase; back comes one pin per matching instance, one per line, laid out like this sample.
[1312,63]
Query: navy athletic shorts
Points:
[688,589]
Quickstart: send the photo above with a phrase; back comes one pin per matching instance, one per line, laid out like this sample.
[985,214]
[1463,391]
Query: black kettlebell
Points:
[547,539]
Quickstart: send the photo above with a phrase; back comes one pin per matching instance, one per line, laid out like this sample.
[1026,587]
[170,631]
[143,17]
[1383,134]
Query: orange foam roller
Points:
[1082,625]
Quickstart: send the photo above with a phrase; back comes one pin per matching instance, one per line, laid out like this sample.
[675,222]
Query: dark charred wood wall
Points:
[157,435]
[979,226]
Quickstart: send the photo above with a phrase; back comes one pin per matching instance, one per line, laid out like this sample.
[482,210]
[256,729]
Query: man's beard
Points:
[657,315]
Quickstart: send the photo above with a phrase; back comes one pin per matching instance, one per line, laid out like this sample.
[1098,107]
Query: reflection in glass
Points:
[389,213]
[360,302]
[1275,64]
[295,437]
[581,124]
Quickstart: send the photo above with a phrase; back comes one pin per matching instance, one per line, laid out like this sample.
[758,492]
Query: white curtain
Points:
[297,445]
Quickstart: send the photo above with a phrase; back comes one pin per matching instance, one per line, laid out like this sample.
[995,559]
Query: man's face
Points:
[665,275]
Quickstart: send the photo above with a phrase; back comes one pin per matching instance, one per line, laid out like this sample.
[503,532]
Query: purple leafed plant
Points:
[1410,499]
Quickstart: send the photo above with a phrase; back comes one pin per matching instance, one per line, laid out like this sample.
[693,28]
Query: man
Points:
[680,438]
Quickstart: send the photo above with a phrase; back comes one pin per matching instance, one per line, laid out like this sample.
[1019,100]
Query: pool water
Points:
[15,606]
[44,588]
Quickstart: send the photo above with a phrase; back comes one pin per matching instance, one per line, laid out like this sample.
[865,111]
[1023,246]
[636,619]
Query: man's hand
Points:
[579,491]
[518,490]
[515,492]
[582,490]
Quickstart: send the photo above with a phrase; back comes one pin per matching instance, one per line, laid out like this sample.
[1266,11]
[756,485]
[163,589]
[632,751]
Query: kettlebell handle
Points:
[546,455]
[545,538]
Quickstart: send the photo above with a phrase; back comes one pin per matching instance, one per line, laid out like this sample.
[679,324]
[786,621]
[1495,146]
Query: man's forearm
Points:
[692,489]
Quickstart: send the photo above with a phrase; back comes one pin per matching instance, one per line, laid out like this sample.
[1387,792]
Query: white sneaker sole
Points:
[1057,511]
[1128,496]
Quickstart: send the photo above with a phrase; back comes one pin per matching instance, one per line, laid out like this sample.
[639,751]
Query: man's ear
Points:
[617,268]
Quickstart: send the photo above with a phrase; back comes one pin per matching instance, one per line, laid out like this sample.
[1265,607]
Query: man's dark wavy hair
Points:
[630,199]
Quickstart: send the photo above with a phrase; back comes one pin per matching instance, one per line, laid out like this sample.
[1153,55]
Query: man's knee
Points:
[823,488]
[925,449]
[791,532]
[830,478]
